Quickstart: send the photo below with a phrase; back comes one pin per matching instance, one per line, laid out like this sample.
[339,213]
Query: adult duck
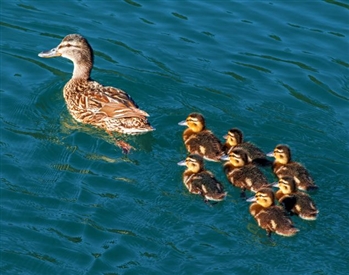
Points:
[89,102]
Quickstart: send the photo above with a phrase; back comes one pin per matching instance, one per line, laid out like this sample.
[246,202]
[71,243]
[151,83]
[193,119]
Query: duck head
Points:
[75,48]
[281,153]
[286,184]
[264,197]
[193,162]
[237,157]
[234,137]
[195,122]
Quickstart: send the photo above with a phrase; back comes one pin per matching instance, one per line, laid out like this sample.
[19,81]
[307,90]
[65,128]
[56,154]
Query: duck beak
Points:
[51,53]
[225,136]
[183,123]
[225,157]
[270,154]
[275,184]
[252,199]
[182,163]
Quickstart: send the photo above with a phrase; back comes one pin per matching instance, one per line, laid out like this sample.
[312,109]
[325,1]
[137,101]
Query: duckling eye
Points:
[193,164]
[238,159]
[190,121]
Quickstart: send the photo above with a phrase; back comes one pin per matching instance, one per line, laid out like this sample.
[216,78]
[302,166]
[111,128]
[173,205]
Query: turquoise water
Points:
[72,203]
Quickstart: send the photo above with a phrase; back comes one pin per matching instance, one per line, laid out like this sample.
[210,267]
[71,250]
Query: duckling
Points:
[235,139]
[269,216]
[199,140]
[89,102]
[284,166]
[295,202]
[200,181]
[243,174]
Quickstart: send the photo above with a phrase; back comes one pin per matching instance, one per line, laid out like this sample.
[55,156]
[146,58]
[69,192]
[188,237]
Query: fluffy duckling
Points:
[295,202]
[235,139]
[243,174]
[200,181]
[89,102]
[269,216]
[284,166]
[199,140]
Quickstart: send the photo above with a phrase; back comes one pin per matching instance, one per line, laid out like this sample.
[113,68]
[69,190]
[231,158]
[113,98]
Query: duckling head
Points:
[237,157]
[194,163]
[195,122]
[264,197]
[286,184]
[234,137]
[281,153]
[75,48]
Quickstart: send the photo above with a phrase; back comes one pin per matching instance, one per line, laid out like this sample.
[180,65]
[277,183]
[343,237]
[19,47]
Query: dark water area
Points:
[72,203]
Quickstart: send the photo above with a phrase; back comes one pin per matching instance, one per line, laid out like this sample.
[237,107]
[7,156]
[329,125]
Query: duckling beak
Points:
[183,123]
[182,163]
[270,154]
[51,53]
[225,157]
[275,184]
[252,199]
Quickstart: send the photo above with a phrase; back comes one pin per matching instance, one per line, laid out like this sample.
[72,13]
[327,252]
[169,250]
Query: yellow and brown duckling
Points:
[243,174]
[293,201]
[269,216]
[284,166]
[235,139]
[199,140]
[200,181]
[89,102]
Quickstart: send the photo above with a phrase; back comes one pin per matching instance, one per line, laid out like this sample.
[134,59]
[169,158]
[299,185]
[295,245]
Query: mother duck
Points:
[89,102]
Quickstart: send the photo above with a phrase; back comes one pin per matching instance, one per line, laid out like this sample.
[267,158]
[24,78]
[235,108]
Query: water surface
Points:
[72,203]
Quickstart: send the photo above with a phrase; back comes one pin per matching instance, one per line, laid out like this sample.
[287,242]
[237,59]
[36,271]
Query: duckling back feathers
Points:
[295,202]
[270,217]
[234,139]
[244,175]
[284,166]
[200,181]
[199,140]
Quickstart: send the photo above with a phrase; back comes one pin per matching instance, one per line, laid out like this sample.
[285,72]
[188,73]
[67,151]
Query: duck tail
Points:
[312,216]
[289,232]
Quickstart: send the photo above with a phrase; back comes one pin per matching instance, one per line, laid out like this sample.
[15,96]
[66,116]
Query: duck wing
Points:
[112,102]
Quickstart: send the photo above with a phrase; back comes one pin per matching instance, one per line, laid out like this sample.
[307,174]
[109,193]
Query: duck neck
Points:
[82,70]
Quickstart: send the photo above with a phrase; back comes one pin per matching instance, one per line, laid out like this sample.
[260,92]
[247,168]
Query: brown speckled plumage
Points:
[88,101]
[199,140]
[269,216]
[235,139]
[200,181]
[293,201]
[284,166]
[243,174]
